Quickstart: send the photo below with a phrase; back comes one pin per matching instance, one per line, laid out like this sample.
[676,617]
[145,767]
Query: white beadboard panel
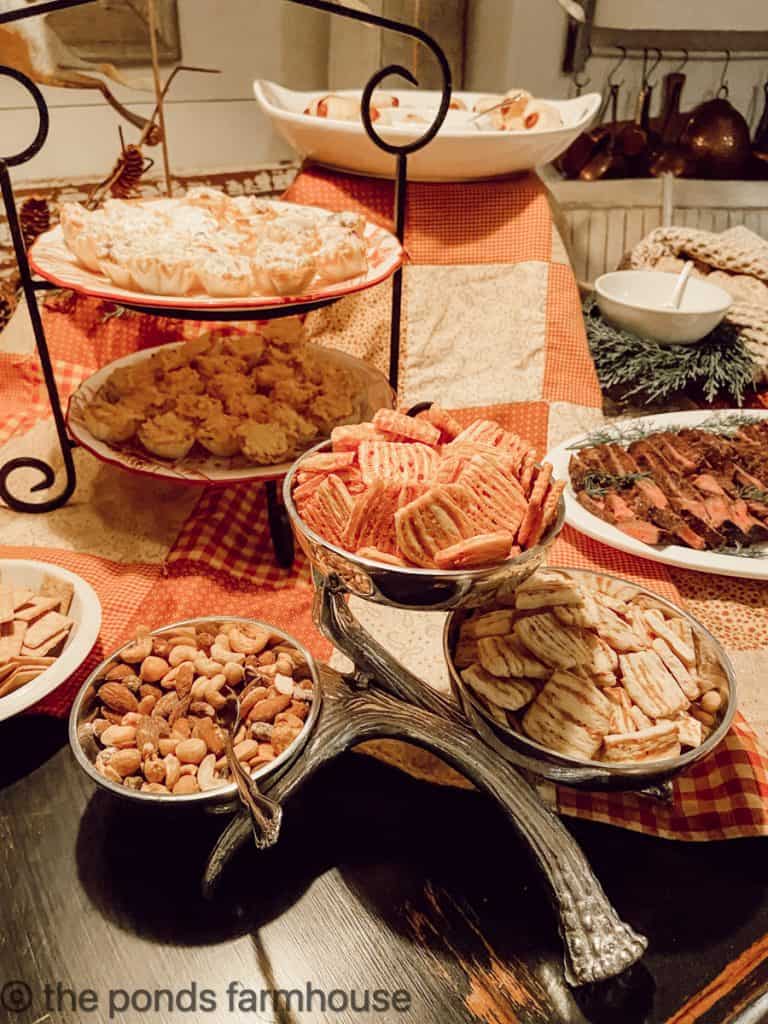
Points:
[604,220]
[84,143]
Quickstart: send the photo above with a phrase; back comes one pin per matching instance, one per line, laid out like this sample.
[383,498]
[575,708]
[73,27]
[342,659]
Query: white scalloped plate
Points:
[51,258]
[753,566]
[205,470]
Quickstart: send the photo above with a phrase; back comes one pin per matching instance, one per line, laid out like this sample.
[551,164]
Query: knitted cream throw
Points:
[737,260]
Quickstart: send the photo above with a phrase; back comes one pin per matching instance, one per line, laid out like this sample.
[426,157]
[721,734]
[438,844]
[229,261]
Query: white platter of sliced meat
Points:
[689,489]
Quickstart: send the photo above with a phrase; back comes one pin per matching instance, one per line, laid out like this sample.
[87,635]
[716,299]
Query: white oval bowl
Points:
[85,610]
[459,152]
[634,300]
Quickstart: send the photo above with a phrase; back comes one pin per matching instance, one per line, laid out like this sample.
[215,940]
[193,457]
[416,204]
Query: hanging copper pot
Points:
[718,138]
[760,141]
[672,157]
[607,161]
[584,145]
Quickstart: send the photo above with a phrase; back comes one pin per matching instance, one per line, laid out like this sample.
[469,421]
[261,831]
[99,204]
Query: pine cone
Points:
[34,217]
[131,165]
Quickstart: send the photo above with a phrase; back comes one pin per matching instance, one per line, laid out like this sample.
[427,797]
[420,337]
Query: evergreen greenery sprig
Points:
[644,370]
[596,484]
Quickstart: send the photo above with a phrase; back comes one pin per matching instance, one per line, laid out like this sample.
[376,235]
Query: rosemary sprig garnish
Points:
[642,369]
[724,424]
[752,493]
[597,484]
[739,550]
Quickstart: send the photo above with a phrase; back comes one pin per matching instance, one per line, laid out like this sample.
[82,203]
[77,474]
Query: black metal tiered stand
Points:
[379,698]
[280,531]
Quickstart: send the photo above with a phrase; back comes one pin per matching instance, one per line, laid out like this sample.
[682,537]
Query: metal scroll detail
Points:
[401,152]
[598,945]
[29,287]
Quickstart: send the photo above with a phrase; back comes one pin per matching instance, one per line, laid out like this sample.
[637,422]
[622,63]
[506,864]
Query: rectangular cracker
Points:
[18,678]
[689,730]
[651,685]
[570,715]
[35,608]
[11,639]
[653,744]
[466,653]
[659,626]
[21,597]
[504,656]
[48,645]
[641,720]
[510,694]
[683,676]
[547,588]
[551,642]
[622,720]
[496,623]
[6,602]
[46,627]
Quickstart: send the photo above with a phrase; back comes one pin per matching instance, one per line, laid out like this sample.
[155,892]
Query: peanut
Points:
[181,728]
[246,750]
[168,745]
[119,736]
[147,704]
[154,770]
[191,751]
[172,770]
[153,669]
[125,762]
[154,787]
[711,701]
[186,784]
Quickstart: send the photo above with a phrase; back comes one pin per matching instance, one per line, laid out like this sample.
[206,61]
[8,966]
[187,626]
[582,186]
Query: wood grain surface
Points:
[379,882]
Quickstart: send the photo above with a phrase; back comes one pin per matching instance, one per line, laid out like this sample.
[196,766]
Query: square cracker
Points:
[11,640]
[36,607]
[48,626]
[53,587]
[48,645]
[6,602]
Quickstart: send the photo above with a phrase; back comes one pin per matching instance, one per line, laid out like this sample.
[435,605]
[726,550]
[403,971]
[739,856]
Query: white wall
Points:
[520,43]
[212,120]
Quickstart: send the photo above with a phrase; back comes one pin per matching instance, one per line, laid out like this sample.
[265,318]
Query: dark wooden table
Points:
[379,882]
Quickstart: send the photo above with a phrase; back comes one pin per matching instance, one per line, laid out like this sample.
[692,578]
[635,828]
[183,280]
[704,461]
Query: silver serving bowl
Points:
[401,587]
[524,752]
[225,798]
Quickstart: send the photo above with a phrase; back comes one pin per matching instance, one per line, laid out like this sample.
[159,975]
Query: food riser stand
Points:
[380,699]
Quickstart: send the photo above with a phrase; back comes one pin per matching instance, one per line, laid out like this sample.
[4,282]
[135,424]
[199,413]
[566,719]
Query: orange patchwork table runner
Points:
[491,326]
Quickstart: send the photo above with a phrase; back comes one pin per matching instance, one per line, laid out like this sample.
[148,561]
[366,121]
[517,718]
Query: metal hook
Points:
[647,74]
[616,67]
[723,90]
[685,60]
[581,83]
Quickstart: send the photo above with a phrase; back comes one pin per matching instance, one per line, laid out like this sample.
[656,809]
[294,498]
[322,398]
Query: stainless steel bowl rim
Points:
[458,575]
[221,793]
[626,768]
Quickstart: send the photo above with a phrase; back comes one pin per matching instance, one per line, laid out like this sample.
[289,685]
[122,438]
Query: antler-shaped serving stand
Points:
[381,699]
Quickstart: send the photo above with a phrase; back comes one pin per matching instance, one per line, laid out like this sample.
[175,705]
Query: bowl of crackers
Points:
[424,512]
[49,621]
[588,679]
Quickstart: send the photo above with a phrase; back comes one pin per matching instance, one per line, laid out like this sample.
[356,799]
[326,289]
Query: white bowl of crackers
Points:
[49,621]
[590,679]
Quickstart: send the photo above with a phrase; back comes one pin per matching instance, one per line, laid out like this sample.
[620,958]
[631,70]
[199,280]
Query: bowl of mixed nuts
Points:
[144,724]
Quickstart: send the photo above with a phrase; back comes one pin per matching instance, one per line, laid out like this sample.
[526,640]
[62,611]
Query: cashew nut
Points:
[205,773]
[214,685]
[139,650]
[199,687]
[222,655]
[253,642]
[183,652]
[222,640]
[207,666]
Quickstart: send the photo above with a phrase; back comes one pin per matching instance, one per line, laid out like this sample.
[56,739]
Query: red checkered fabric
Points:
[221,561]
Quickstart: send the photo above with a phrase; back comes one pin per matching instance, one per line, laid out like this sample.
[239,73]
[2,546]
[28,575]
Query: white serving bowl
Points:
[85,610]
[459,152]
[634,300]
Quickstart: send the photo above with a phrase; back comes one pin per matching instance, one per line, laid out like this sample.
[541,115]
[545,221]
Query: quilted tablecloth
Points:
[491,326]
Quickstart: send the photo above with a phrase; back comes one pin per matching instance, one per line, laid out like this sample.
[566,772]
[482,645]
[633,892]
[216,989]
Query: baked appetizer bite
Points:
[167,435]
[113,424]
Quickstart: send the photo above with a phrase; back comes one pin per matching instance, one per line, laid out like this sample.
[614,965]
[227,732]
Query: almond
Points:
[191,751]
[148,690]
[148,730]
[265,710]
[118,672]
[118,698]
[126,762]
[147,704]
